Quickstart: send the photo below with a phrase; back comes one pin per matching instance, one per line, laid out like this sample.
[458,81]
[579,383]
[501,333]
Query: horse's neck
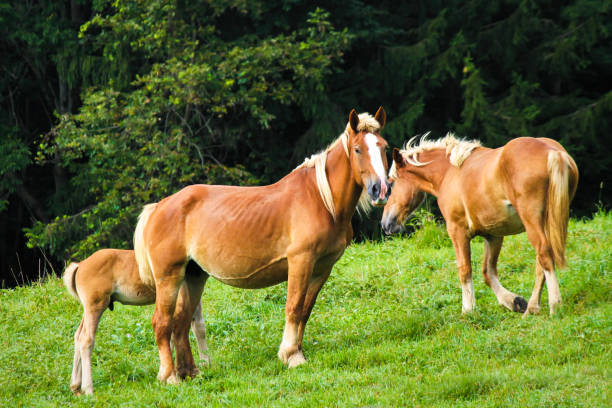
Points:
[345,191]
[430,177]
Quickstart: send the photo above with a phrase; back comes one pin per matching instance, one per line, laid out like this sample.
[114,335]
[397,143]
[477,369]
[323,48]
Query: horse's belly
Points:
[134,294]
[509,223]
[271,274]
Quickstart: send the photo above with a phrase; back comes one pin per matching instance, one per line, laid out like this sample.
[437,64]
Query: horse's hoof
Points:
[554,308]
[296,359]
[76,390]
[173,380]
[283,355]
[165,377]
[519,304]
[191,373]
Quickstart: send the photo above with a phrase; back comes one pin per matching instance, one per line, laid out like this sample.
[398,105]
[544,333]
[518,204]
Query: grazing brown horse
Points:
[525,185]
[106,276]
[252,237]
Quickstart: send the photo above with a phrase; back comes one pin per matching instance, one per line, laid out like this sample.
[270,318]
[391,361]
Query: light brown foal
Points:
[525,185]
[107,276]
[252,237]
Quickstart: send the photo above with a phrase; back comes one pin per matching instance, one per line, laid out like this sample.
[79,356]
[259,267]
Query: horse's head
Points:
[366,150]
[406,196]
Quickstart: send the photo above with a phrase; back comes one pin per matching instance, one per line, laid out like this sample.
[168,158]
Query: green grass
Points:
[387,330]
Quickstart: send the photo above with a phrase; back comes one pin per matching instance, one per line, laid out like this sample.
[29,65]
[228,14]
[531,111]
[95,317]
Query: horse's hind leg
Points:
[489,271]
[75,380]
[533,306]
[534,226]
[199,329]
[168,284]
[188,301]
[91,318]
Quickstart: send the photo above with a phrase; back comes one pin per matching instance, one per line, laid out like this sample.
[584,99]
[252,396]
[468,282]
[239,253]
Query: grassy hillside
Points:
[387,330]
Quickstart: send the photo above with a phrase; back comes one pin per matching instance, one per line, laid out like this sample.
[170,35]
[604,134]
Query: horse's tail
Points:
[69,279]
[557,206]
[140,247]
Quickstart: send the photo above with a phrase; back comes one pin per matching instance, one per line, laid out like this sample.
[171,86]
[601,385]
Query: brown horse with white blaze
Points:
[525,185]
[252,237]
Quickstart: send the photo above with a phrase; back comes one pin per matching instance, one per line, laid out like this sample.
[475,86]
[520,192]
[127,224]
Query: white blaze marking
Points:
[376,160]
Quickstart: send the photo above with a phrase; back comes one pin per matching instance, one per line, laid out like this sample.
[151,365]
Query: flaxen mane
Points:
[457,150]
[367,123]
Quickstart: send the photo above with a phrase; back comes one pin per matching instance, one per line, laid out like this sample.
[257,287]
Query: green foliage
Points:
[130,145]
[136,99]
[387,326]
[14,157]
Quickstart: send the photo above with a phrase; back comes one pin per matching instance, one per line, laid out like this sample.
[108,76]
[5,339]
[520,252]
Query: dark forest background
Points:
[107,105]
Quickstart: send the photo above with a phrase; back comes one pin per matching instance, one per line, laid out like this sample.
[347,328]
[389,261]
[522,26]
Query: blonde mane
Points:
[367,123]
[457,150]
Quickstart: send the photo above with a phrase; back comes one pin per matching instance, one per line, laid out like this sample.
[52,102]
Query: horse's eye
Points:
[357,150]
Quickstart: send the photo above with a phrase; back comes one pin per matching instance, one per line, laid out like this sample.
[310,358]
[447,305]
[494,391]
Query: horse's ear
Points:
[398,158]
[381,117]
[354,120]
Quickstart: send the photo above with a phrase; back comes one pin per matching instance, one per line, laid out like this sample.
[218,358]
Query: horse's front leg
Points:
[461,242]
[489,271]
[314,287]
[300,271]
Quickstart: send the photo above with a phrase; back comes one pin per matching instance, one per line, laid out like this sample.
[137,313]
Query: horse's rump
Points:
[140,250]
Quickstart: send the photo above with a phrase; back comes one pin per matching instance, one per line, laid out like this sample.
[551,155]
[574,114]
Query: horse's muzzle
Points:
[379,192]
[391,226]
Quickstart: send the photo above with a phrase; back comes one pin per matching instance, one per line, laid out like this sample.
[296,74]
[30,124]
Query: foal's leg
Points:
[188,301]
[461,242]
[534,226]
[489,271]
[300,270]
[75,380]
[199,329]
[91,318]
[168,284]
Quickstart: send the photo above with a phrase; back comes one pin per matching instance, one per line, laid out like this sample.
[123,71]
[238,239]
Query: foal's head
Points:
[406,196]
[366,150]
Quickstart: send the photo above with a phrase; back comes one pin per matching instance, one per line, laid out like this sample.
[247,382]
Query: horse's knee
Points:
[465,273]
[85,342]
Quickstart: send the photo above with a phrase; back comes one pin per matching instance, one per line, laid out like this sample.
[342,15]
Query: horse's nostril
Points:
[374,190]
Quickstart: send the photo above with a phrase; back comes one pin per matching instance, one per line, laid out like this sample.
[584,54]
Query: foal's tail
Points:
[140,248]
[69,282]
[557,207]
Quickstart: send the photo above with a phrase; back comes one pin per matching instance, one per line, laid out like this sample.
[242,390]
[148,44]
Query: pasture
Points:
[386,330]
